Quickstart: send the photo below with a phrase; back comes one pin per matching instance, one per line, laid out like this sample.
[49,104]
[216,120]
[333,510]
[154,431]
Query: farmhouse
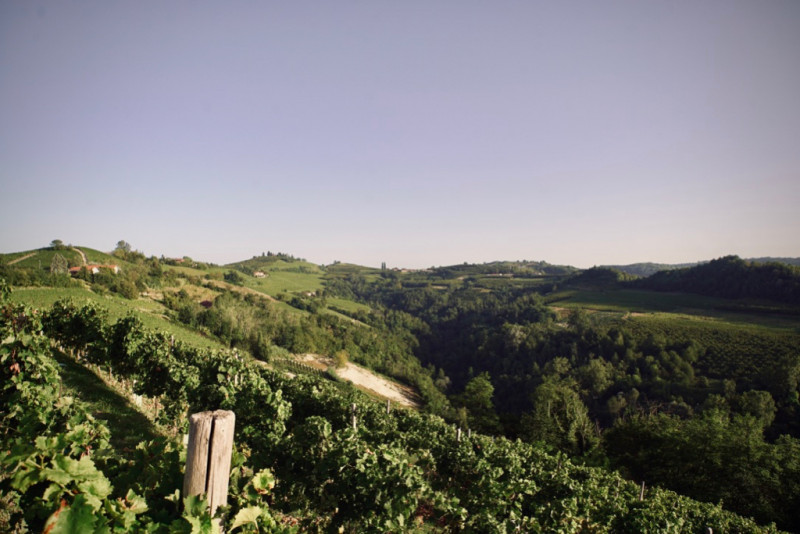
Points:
[260,274]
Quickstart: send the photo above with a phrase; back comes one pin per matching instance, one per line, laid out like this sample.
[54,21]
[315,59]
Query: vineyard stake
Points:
[208,456]
[388,406]
[641,494]
[353,417]
[458,434]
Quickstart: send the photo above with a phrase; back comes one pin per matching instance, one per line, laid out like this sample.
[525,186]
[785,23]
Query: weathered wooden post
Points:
[208,456]
[641,494]
[353,417]
[458,434]
[388,406]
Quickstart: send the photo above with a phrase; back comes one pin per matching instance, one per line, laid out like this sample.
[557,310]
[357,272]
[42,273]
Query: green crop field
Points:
[190,271]
[632,300]
[41,258]
[96,256]
[640,301]
[347,305]
[494,282]
[6,258]
[285,281]
[149,312]
[733,350]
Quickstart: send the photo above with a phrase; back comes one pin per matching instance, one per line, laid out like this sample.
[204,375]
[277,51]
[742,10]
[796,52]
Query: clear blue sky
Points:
[413,132]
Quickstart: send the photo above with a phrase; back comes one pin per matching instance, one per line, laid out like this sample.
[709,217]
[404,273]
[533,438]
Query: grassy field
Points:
[347,305]
[491,282]
[282,277]
[41,258]
[149,312]
[96,256]
[285,281]
[7,258]
[281,265]
[189,271]
[622,301]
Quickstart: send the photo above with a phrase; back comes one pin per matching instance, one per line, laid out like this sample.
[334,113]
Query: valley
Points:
[583,363]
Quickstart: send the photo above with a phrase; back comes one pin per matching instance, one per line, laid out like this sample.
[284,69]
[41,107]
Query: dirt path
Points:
[366,379]
[83,255]
[25,257]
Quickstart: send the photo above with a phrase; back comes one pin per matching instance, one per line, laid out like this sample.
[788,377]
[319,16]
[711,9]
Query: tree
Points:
[234,278]
[596,376]
[123,247]
[477,399]
[59,265]
[57,244]
[559,418]
[340,359]
[760,405]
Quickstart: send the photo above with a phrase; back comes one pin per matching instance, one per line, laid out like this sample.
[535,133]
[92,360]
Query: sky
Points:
[417,133]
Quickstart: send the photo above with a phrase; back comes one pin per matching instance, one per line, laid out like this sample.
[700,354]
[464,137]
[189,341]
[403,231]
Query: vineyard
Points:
[309,456]
[745,353]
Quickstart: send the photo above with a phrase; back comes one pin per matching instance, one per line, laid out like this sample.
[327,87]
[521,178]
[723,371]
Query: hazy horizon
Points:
[417,134]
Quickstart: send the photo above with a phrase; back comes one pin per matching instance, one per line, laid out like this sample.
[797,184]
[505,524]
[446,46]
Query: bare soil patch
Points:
[366,379]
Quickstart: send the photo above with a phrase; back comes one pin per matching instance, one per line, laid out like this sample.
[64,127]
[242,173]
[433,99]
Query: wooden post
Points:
[641,494]
[388,406]
[208,456]
[353,417]
[458,434]
[469,432]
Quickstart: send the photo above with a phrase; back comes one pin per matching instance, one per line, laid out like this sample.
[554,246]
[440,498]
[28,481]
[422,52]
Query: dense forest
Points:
[732,277]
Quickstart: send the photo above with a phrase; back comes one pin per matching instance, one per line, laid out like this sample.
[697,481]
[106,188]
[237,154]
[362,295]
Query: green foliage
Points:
[311,469]
[59,265]
[125,252]
[551,380]
[722,458]
[560,419]
[477,399]
[234,278]
[561,382]
[257,325]
[599,277]
[732,277]
[340,358]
